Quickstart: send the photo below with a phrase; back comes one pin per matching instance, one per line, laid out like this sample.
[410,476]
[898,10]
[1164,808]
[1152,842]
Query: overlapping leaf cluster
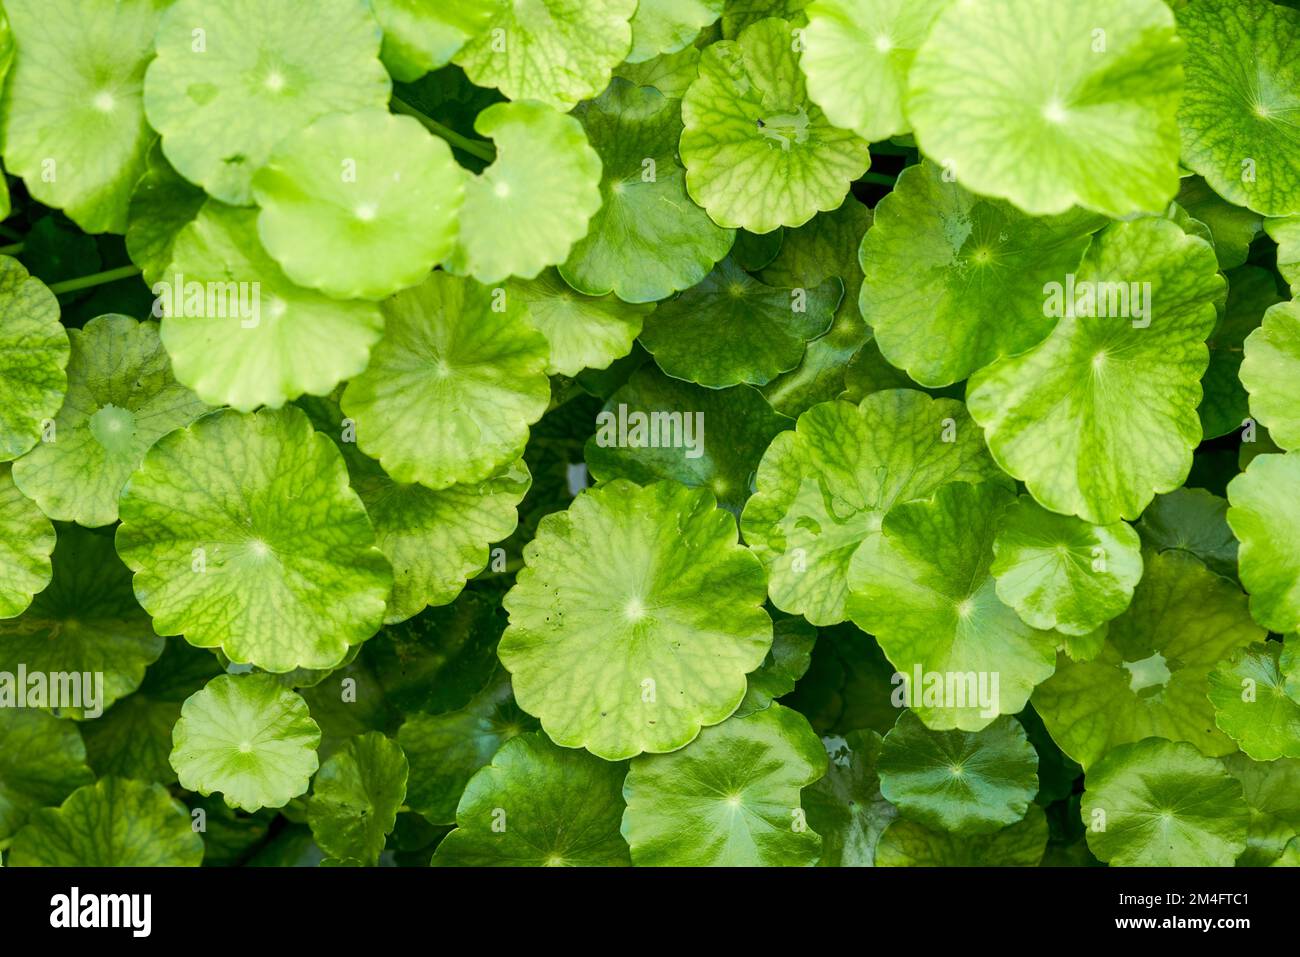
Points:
[685,432]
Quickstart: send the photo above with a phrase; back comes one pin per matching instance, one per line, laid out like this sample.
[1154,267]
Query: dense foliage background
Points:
[688,432]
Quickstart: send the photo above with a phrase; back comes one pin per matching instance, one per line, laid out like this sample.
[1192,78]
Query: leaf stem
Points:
[96,279]
[13,250]
[480,148]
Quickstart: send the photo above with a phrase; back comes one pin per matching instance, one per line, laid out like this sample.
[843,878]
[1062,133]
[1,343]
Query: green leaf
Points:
[825,246]
[453,385]
[1290,856]
[446,750]
[973,782]
[419,36]
[133,739]
[265,340]
[738,784]
[1059,572]
[555,51]
[1237,112]
[1233,229]
[823,488]
[355,798]
[111,823]
[846,807]
[539,805]
[247,737]
[792,644]
[236,525]
[667,26]
[857,54]
[544,184]
[955,280]
[1271,790]
[1158,803]
[86,621]
[584,332]
[121,399]
[1195,521]
[729,430]
[1251,291]
[1251,706]
[26,541]
[1269,372]
[732,329]
[648,240]
[635,619]
[923,587]
[1286,233]
[435,541]
[1101,415]
[1152,675]
[162,204]
[1053,108]
[42,761]
[224,97]
[74,126]
[908,844]
[758,152]
[33,356]
[739,14]
[1265,517]
[670,73]
[359,205]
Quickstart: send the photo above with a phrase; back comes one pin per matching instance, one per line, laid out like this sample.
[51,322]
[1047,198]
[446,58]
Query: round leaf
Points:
[359,205]
[584,332]
[239,333]
[954,280]
[1059,572]
[1101,415]
[247,737]
[635,619]
[86,623]
[121,399]
[162,205]
[355,799]
[231,81]
[1009,95]
[1238,108]
[792,644]
[421,36]
[544,187]
[452,387]
[924,589]
[758,153]
[1195,521]
[26,541]
[1265,517]
[732,329]
[908,844]
[74,126]
[1270,371]
[42,761]
[738,784]
[237,525]
[648,239]
[846,807]
[666,26]
[1163,804]
[1251,705]
[729,431]
[111,823]
[1152,675]
[555,51]
[823,488]
[33,356]
[972,782]
[520,811]
[857,54]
